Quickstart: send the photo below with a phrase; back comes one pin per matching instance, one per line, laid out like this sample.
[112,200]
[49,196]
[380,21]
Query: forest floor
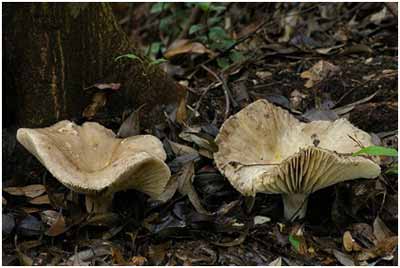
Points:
[250,52]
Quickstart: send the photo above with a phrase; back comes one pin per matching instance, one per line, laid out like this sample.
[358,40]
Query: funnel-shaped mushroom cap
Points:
[90,159]
[263,148]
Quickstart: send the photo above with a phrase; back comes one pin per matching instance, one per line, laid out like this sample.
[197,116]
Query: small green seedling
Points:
[295,243]
[129,56]
[377,151]
[380,151]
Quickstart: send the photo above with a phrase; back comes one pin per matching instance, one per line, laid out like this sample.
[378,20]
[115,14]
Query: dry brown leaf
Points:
[185,46]
[181,113]
[117,257]
[58,227]
[99,100]
[157,253]
[381,231]
[131,125]
[180,149]
[318,72]
[40,200]
[383,248]
[31,210]
[185,186]
[138,261]
[343,258]
[32,191]
[349,243]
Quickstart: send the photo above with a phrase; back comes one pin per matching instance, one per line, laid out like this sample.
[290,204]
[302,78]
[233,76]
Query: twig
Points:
[266,22]
[224,87]
[356,141]
[210,86]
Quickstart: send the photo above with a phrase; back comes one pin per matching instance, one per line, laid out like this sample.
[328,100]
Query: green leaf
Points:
[213,20]
[223,63]
[129,56]
[158,61]
[377,150]
[236,56]
[205,6]
[295,243]
[393,169]
[165,24]
[217,33]
[195,28]
[158,7]
[154,49]
[217,8]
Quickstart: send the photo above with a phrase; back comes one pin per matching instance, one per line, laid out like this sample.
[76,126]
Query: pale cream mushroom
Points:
[265,149]
[89,159]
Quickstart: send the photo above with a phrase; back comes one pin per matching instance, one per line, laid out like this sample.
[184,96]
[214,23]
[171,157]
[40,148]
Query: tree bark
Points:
[55,50]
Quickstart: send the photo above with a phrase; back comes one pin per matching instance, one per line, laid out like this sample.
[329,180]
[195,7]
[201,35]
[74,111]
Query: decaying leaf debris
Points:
[319,64]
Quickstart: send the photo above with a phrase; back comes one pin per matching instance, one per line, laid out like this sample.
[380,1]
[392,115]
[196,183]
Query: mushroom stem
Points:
[99,203]
[295,206]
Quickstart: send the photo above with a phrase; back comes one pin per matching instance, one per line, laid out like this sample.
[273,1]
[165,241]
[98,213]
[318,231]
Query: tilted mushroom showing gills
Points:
[90,159]
[265,149]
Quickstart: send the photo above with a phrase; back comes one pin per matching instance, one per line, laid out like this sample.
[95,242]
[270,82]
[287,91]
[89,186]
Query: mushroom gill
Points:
[265,149]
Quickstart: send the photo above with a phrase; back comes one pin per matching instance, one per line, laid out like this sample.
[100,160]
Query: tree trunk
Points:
[55,50]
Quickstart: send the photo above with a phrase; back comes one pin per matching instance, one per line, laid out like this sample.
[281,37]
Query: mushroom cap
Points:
[263,148]
[90,159]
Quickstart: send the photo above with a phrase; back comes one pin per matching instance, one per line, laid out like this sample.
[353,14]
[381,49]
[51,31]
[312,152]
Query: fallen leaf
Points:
[181,113]
[138,261]
[203,141]
[7,224]
[49,217]
[158,252]
[180,149]
[31,210]
[82,257]
[381,231]
[30,226]
[348,107]
[40,200]
[343,258]
[357,49]
[117,257]
[276,262]
[99,100]
[131,125]
[318,72]
[22,248]
[185,186]
[235,242]
[349,243]
[32,191]
[261,220]
[185,46]
[58,226]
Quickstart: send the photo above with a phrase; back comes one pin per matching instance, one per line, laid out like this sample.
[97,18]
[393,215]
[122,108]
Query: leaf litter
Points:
[320,62]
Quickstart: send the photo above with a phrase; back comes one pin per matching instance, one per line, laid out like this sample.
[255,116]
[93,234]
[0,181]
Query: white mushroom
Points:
[90,159]
[265,149]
